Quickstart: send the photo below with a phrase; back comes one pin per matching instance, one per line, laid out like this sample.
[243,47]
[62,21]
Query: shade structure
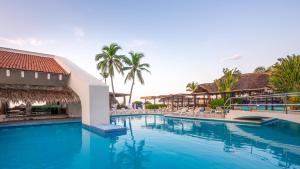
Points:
[32,94]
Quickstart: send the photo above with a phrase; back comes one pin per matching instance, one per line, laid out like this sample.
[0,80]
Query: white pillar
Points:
[93,94]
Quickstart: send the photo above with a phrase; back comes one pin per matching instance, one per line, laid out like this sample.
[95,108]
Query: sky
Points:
[183,41]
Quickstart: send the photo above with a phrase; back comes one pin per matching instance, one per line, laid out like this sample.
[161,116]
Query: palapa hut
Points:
[30,77]
[115,101]
[248,84]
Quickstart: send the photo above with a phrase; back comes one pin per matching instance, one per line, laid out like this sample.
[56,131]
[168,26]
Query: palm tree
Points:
[229,79]
[135,69]
[108,61]
[191,87]
[285,74]
[260,69]
[104,75]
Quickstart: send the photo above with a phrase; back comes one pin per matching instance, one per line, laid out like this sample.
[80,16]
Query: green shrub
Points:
[155,106]
[217,103]
[137,102]
[237,101]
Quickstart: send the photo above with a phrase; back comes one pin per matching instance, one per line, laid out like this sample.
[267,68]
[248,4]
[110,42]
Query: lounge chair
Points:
[208,112]
[199,112]
[188,112]
[183,111]
[177,113]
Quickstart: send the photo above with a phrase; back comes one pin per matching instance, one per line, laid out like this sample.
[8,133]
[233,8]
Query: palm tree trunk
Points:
[112,87]
[131,90]
[105,80]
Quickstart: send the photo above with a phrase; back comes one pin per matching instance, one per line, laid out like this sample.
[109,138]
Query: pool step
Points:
[106,130]
[269,121]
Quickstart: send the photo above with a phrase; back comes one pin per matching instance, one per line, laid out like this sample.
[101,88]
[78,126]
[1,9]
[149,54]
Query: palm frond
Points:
[145,65]
[100,56]
[140,77]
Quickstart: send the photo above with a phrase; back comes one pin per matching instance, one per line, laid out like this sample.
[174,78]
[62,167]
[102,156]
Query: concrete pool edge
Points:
[65,121]
[39,123]
[106,130]
[193,118]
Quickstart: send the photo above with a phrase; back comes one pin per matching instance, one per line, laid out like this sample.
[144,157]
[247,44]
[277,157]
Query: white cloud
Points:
[231,58]
[139,44]
[78,32]
[24,41]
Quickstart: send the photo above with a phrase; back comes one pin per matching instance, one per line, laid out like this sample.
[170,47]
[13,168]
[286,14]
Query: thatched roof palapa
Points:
[251,81]
[206,88]
[32,94]
[247,82]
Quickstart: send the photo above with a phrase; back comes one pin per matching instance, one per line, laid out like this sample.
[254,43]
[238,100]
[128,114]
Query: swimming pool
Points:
[152,142]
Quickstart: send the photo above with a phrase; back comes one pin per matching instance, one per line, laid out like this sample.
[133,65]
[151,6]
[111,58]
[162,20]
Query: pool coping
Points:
[39,123]
[77,120]
[121,115]
[215,120]
[194,118]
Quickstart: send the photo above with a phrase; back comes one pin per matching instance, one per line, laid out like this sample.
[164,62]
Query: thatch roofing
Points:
[247,81]
[252,81]
[206,88]
[32,94]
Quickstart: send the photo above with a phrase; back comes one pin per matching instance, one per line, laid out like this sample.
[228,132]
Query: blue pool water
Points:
[152,142]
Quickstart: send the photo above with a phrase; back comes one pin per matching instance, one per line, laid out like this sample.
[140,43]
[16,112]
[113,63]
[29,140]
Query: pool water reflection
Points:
[153,142]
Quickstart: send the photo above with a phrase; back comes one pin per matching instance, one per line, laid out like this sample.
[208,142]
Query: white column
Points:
[93,94]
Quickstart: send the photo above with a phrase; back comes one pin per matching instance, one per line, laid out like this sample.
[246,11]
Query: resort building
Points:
[28,78]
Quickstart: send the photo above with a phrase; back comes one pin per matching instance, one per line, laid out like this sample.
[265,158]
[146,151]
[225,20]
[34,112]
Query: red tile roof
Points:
[22,60]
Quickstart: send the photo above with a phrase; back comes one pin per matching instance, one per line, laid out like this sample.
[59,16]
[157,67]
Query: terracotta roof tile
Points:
[10,59]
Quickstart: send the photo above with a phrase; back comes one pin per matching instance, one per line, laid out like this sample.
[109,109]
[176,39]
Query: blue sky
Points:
[183,40]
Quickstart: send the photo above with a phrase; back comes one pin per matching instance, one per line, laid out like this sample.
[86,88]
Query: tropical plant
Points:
[155,106]
[137,102]
[217,103]
[285,74]
[135,69]
[105,75]
[228,80]
[191,87]
[109,61]
[260,69]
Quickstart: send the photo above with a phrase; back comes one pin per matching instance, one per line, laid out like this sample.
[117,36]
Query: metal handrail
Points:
[228,103]
[265,104]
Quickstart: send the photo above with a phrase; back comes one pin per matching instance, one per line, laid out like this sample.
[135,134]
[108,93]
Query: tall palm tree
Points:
[104,75]
[191,87]
[285,74]
[109,61]
[229,79]
[135,69]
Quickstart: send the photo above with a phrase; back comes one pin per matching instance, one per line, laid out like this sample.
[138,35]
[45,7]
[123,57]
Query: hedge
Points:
[155,106]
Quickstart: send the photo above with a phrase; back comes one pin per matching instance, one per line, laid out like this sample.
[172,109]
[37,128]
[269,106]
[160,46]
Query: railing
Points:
[254,102]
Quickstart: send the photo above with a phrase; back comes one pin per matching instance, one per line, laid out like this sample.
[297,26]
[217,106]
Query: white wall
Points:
[93,94]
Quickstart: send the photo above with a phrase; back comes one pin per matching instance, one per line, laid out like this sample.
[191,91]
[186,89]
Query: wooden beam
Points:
[172,103]
[195,101]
